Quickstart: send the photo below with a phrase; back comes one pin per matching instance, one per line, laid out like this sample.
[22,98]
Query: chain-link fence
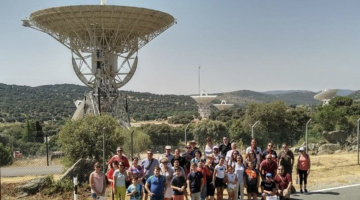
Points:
[33,156]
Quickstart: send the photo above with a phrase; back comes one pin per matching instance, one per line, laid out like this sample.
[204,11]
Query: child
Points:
[231,181]
[178,184]
[268,187]
[251,180]
[134,190]
[195,182]
[218,178]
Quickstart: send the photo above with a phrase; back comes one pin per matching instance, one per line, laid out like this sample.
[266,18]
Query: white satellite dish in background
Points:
[326,95]
[103,2]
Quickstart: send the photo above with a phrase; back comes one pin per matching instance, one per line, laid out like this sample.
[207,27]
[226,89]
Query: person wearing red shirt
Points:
[268,166]
[120,158]
[283,183]
[206,173]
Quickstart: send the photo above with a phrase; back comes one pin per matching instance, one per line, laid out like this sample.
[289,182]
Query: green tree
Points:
[29,133]
[209,128]
[84,138]
[5,156]
[141,140]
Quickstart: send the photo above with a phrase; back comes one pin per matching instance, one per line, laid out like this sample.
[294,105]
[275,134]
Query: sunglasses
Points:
[149,153]
[97,166]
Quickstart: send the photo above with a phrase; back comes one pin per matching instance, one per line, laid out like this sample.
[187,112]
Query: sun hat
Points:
[215,147]
[168,147]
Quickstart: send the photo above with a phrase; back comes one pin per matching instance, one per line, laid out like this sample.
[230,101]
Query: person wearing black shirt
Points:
[224,147]
[178,184]
[268,187]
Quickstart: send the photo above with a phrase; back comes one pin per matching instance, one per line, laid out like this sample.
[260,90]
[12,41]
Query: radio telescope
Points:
[223,105]
[204,102]
[326,95]
[104,41]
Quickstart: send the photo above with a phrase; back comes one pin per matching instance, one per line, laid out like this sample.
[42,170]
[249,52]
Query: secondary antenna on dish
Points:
[204,102]
[223,105]
[326,95]
[104,42]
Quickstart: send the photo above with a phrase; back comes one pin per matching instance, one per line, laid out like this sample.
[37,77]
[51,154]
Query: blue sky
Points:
[257,45]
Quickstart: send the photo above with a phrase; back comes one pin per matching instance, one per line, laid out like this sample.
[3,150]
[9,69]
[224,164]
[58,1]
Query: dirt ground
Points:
[326,171]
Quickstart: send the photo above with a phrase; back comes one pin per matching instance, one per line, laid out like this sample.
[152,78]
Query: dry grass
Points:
[34,162]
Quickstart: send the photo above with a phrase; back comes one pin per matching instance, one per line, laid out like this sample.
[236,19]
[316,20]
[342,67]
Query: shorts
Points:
[230,190]
[210,190]
[178,197]
[219,182]
[252,189]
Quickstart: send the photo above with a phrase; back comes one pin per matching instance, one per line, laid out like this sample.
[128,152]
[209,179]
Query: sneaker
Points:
[301,191]
[306,191]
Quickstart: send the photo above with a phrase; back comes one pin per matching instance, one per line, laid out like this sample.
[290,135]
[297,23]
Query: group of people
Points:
[201,173]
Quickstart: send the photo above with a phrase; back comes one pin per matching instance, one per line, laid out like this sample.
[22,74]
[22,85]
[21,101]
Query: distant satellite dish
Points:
[103,2]
[223,105]
[326,95]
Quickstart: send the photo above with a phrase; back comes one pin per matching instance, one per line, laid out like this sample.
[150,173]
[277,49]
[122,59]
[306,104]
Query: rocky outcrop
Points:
[335,136]
[328,148]
[33,186]
[81,169]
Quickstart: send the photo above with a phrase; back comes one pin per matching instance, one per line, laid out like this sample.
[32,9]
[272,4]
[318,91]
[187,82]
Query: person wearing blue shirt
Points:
[134,190]
[155,185]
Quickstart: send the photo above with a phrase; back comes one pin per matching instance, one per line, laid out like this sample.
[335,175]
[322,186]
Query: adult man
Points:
[270,151]
[182,161]
[224,147]
[229,153]
[286,159]
[155,185]
[283,183]
[187,155]
[268,187]
[193,147]
[167,155]
[147,166]
[256,149]
[120,158]
[268,166]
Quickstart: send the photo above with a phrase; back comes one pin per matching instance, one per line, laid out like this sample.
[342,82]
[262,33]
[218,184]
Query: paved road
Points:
[332,194]
[24,171]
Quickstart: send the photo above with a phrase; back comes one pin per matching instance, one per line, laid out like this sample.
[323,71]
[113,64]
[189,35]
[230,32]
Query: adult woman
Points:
[251,157]
[168,174]
[208,148]
[197,157]
[210,192]
[232,161]
[114,166]
[239,171]
[135,169]
[216,155]
[97,182]
[119,177]
[303,168]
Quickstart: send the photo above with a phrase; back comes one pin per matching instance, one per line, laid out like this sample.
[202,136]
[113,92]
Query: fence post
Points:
[132,144]
[47,149]
[75,188]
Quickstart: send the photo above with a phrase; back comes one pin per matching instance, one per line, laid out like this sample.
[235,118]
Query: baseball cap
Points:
[302,149]
[215,147]
[119,149]
[268,175]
